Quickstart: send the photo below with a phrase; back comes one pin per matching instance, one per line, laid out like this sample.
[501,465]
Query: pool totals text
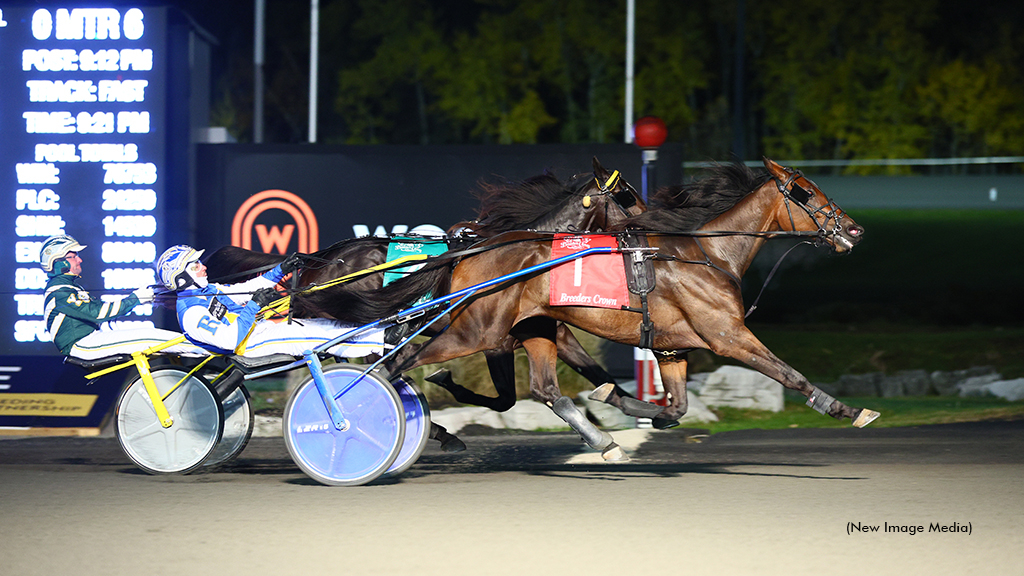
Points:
[82,108]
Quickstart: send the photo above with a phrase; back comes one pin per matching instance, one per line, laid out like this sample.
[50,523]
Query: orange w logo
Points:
[275,237]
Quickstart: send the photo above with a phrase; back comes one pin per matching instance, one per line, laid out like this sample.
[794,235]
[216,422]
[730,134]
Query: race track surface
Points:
[924,500]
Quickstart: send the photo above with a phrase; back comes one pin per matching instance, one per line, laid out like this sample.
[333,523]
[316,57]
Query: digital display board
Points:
[82,152]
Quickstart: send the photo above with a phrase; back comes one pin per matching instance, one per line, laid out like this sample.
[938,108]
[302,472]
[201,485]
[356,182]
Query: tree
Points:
[406,49]
[973,110]
[839,78]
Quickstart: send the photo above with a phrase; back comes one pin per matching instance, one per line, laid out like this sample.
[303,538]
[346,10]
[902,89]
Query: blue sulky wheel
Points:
[238,425]
[368,444]
[197,423]
[417,425]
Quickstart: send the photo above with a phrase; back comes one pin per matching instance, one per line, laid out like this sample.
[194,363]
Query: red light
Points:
[649,132]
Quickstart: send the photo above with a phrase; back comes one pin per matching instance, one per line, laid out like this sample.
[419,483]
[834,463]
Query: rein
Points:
[828,211]
[769,278]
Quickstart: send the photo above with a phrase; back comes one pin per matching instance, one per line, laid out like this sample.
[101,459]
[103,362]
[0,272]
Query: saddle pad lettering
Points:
[403,246]
[598,280]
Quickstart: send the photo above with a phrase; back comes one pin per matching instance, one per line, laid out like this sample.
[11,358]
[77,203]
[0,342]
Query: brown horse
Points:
[586,202]
[696,303]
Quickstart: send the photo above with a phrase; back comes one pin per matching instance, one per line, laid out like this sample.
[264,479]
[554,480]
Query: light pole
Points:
[649,133]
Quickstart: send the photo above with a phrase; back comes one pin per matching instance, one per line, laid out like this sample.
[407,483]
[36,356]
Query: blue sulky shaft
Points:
[465,292]
[458,297]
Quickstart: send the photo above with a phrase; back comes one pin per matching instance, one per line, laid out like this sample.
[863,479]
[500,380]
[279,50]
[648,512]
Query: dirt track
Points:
[749,502]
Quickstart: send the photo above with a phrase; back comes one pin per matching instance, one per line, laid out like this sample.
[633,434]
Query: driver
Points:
[77,322]
[223,318]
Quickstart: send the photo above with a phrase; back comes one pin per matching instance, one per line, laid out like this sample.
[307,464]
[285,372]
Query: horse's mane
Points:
[508,205]
[689,206]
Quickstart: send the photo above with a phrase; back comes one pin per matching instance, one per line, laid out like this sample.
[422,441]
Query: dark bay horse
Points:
[588,202]
[705,236]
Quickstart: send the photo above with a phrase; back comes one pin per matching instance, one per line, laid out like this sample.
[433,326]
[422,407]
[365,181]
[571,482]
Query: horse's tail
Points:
[228,261]
[364,307]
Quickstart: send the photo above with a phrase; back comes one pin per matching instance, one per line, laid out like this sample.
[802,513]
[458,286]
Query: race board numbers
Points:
[82,108]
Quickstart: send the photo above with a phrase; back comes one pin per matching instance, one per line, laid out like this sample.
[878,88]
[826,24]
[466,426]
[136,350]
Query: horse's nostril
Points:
[855,231]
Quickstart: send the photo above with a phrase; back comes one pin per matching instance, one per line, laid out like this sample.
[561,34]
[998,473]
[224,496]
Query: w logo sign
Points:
[280,221]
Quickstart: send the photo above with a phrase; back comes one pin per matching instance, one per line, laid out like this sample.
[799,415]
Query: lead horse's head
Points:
[809,209]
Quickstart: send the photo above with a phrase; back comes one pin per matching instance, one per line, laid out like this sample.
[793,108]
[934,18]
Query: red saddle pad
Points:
[598,280]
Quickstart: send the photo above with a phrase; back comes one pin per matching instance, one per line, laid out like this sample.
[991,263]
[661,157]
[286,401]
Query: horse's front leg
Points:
[538,338]
[741,344]
[673,377]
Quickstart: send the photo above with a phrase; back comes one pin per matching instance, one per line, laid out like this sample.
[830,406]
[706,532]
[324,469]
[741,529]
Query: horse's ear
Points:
[774,168]
[599,170]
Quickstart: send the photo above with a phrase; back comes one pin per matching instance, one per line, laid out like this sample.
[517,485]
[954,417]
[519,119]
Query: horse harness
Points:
[638,256]
[791,190]
[640,280]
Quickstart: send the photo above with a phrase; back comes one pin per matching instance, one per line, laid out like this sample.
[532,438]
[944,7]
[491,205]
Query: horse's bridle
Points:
[624,199]
[792,191]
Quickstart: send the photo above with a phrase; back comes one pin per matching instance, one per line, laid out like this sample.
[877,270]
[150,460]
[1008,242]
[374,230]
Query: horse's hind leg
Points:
[501,364]
[405,359]
[538,338]
[576,357]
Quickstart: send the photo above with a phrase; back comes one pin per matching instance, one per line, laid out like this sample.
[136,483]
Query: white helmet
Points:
[172,267]
[56,248]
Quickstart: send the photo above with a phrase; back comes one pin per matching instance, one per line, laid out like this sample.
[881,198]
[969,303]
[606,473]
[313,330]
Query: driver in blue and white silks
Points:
[219,317]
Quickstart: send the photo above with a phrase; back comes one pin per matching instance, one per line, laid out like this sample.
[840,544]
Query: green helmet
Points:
[55,249]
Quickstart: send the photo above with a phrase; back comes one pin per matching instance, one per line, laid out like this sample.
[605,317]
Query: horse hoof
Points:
[602,392]
[614,453]
[865,417]
[664,423]
[439,377]
[452,444]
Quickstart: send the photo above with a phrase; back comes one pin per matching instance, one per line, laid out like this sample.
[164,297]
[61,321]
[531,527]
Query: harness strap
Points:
[646,324]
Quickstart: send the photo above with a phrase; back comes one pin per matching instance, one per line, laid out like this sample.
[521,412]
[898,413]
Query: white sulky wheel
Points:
[197,423]
[238,425]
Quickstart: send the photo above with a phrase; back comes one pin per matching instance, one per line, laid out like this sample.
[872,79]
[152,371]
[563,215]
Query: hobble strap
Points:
[820,401]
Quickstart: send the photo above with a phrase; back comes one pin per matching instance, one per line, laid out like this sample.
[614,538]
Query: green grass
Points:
[908,411]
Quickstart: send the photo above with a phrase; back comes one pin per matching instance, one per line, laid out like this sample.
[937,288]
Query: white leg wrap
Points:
[820,401]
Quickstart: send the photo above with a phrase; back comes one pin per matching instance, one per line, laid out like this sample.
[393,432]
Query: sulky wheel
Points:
[417,425]
[367,445]
[191,438]
[238,425]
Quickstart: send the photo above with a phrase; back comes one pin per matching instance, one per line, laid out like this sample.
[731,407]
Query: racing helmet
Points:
[173,267]
[54,251]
